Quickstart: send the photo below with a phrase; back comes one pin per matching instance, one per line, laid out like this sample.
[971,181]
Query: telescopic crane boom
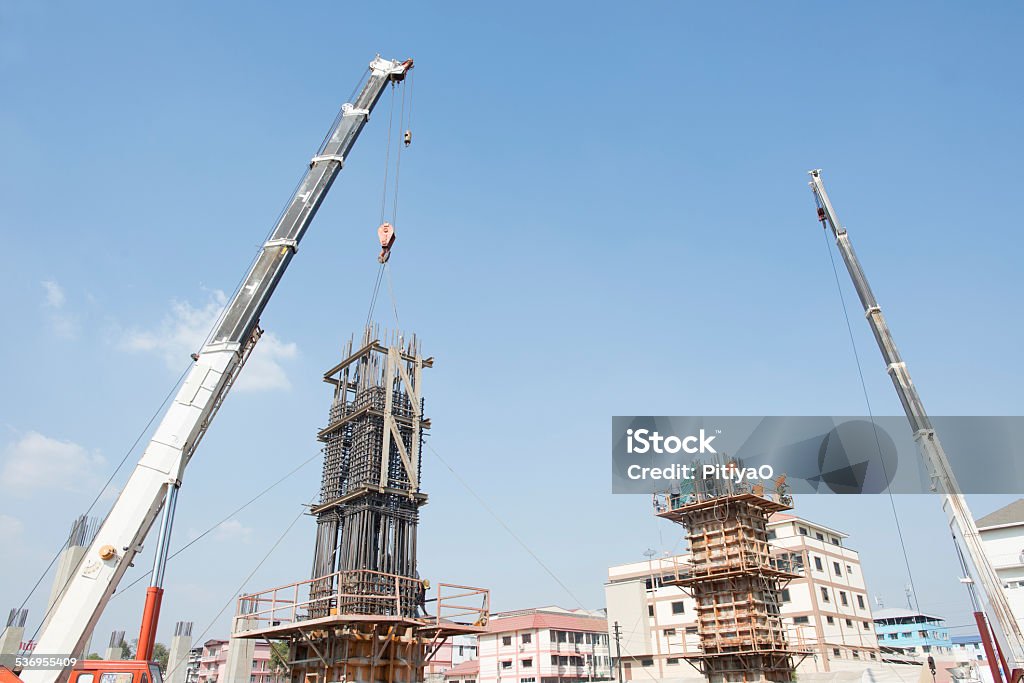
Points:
[159,471]
[961,522]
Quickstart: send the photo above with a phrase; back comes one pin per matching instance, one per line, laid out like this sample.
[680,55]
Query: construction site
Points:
[526,567]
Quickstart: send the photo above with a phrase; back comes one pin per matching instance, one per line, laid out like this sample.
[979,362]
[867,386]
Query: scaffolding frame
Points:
[734,579]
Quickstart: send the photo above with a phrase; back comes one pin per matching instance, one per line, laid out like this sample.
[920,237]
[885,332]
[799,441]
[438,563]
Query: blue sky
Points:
[604,212]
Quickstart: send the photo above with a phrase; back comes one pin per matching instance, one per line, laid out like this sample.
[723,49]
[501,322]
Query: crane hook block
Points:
[408,137]
[386,234]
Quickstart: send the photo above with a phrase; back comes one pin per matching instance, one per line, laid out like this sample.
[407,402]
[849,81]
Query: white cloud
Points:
[185,327]
[10,530]
[36,463]
[233,530]
[263,371]
[63,323]
[54,294]
[181,332]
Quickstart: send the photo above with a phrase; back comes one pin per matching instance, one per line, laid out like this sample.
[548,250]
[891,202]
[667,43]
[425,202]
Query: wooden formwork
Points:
[736,584]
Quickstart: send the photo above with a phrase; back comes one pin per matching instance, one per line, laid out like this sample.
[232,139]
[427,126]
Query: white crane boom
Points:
[961,522]
[217,365]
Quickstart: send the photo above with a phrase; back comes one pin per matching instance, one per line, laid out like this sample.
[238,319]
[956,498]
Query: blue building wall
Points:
[919,633]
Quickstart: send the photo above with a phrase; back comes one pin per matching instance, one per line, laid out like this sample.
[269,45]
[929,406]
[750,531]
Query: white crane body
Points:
[961,521]
[207,383]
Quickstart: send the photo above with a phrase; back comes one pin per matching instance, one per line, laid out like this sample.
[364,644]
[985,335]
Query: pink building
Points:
[214,658]
[454,651]
[542,645]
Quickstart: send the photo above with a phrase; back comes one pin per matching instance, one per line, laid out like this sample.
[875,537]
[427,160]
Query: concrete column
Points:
[114,646]
[14,634]
[83,531]
[69,560]
[177,659]
[239,665]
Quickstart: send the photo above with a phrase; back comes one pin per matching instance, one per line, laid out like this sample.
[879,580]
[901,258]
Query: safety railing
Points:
[363,593]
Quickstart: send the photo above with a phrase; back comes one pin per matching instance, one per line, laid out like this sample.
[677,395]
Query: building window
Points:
[691,630]
[507,664]
[678,607]
[527,663]
[849,570]
[842,597]
[801,620]
[856,654]
[646,662]
[817,563]
[506,641]
[527,680]
[872,655]
[672,660]
[860,602]
[669,632]
[820,536]
[835,541]
[835,568]
[802,530]
[867,625]
[849,623]
[824,594]
[785,595]
[771,535]
[527,638]
[650,610]
[830,619]
[835,652]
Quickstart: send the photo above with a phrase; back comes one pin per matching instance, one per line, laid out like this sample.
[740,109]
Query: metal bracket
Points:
[349,109]
[871,310]
[893,368]
[282,242]
[327,157]
[389,67]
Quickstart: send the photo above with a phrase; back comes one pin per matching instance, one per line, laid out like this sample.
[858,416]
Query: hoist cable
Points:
[242,586]
[373,297]
[398,164]
[387,157]
[218,524]
[867,402]
[391,291]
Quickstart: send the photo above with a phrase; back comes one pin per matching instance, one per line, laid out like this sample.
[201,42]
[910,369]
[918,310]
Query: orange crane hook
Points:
[386,234]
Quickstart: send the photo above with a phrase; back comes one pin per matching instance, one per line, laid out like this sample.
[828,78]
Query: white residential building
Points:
[542,645]
[1002,534]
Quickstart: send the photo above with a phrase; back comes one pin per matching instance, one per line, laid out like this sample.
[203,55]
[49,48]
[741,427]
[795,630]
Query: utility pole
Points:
[618,649]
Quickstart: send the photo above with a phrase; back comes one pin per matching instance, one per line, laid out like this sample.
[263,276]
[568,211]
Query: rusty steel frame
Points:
[363,616]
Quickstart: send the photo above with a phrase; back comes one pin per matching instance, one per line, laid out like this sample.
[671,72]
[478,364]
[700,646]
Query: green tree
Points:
[127,651]
[279,659]
[160,655]
[94,655]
